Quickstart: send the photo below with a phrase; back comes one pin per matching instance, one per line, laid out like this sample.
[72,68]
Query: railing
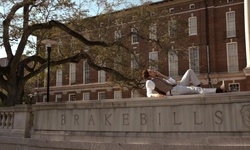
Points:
[6,119]
[16,120]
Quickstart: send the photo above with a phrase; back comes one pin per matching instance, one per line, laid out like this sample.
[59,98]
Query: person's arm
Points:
[168,79]
[150,86]
[158,74]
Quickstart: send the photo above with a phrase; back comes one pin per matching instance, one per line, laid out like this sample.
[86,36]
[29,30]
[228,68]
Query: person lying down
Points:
[159,85]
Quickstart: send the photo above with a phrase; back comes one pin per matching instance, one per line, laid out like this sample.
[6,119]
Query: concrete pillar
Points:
[23,121]
[247,40]
[247,35]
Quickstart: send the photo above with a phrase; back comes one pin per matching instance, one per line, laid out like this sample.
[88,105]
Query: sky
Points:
[136,2]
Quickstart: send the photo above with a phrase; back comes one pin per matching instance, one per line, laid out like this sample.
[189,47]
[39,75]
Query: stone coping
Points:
[197,99]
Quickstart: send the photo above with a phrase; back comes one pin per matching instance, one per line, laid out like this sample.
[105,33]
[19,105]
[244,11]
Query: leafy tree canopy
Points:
[81,32]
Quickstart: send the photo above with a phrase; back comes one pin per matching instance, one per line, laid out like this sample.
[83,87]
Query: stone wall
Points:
[213,121]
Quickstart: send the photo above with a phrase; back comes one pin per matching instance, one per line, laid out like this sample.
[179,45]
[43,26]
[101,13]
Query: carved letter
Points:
[195,119]
[91,119]
[63,119]
[159,114]
[218,115]
[76,117]
[176,123]
[106,119]
[143,119]
[125,120]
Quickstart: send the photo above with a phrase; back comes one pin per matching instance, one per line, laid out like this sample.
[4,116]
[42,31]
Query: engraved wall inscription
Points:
[186,118]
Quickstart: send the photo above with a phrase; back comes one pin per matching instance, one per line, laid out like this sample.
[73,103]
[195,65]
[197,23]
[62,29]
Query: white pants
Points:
[189,78]
[183,87]
[185,90]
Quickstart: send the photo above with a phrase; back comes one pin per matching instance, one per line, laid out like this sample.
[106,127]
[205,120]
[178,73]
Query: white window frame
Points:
[118,21]
[86,96]
[44,98]
[173,63]
[134,36]
[100,95]
[72,73]
[86,73]
[101,37]
[230,24]
[192,6]
[171,10]
[72,96]
[192,25]
[117,35]
[153,60]
[101,25]
[234,87]
[134,18]
[117,61]
[232,57]
[194,59]
[172,29]
[134,61]
[57,97]
[59,77]
[135,93]
[153,32]
[101,76]
[117,94]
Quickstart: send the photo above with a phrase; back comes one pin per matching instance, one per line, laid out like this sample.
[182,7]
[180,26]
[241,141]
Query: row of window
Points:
[173,62]
[86,96]
[192,6]
[194,60]
[170,11]
[72,96]
[192,24]
[233,87]
[72,75]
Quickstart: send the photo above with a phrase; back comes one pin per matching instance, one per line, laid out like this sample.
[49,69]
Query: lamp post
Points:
[207,43]
[48,43]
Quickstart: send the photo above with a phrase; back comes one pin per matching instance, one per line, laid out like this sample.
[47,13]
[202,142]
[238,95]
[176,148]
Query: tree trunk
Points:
[14,96]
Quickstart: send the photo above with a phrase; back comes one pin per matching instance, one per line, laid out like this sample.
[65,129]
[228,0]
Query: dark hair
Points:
[145,74]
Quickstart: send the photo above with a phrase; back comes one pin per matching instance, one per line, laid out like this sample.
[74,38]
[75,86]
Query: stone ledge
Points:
[219,98]
[9,143]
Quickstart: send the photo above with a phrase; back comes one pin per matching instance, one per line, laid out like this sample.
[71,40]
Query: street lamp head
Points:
[49,42]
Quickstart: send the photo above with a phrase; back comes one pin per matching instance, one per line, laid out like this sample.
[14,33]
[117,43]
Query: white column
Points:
[247,34]
[247,30]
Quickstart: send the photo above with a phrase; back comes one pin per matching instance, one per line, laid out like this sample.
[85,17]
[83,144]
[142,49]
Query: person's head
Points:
[147,73]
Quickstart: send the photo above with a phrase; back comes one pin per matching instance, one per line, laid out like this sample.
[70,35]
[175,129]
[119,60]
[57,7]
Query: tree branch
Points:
[3,82]
[2,96]
[36,59]
[6,25]
[77,35]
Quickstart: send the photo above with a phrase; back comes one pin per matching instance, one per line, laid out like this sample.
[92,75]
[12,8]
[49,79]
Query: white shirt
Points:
[150,86]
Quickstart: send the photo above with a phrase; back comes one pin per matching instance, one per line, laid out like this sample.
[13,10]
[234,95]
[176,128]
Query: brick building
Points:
[218,52]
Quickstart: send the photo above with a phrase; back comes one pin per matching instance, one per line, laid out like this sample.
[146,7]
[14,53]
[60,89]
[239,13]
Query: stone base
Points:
[187,141]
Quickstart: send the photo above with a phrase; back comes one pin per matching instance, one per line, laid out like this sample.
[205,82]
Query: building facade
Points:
[217,52]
